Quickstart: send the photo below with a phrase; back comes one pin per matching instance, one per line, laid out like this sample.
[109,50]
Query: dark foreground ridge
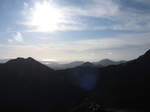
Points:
[27,85]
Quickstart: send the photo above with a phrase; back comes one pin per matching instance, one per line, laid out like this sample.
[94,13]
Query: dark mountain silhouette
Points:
[23,82]
[106,62]
[86,64]
[118,86]
[127,84]
[26,84]
[57,66]
[29,63]
[72,64]
[29,85]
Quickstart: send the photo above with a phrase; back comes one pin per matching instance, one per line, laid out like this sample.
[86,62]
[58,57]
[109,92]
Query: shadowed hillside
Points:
[29,85]
[127,84]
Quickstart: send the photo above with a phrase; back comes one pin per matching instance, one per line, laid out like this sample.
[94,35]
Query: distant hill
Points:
[106,62]
[86,64]
[57,66]
[117,86]
[73,64]
[4,60]
[26,84]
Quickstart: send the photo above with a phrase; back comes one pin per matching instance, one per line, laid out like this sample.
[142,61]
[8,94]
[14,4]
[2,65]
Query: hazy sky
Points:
[69,30]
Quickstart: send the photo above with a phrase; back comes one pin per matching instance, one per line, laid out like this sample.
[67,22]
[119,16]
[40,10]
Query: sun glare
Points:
[45,17]
[48,59]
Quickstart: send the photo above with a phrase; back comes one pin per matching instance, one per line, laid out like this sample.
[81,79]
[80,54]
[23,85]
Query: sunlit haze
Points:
[45,17]
[74,30]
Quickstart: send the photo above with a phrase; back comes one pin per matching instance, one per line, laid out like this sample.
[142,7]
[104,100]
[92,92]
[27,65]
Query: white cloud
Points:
[110,53]
[68,21]
[101,8]
[112,48]
[119,42]
[92,54]
[122,19]
[129,19]
[10,40]
[25,5]
[16,38]
[133,41]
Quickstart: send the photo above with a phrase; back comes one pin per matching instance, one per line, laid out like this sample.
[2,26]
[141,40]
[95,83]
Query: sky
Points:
[74,30]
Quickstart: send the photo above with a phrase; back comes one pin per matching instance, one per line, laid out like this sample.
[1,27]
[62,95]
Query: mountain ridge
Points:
[54,65]
[19,62]
[86,64]
[28,83]
[104,62]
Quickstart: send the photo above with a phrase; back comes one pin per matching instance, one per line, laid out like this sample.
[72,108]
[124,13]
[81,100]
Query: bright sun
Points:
[45,17]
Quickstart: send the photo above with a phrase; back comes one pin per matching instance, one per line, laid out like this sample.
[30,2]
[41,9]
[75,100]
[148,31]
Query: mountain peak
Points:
[30,59]
[19,58]
[106,59]
[148,52]
[106,62]
[29,63]
[87,64]
[144,58]
[22,60]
